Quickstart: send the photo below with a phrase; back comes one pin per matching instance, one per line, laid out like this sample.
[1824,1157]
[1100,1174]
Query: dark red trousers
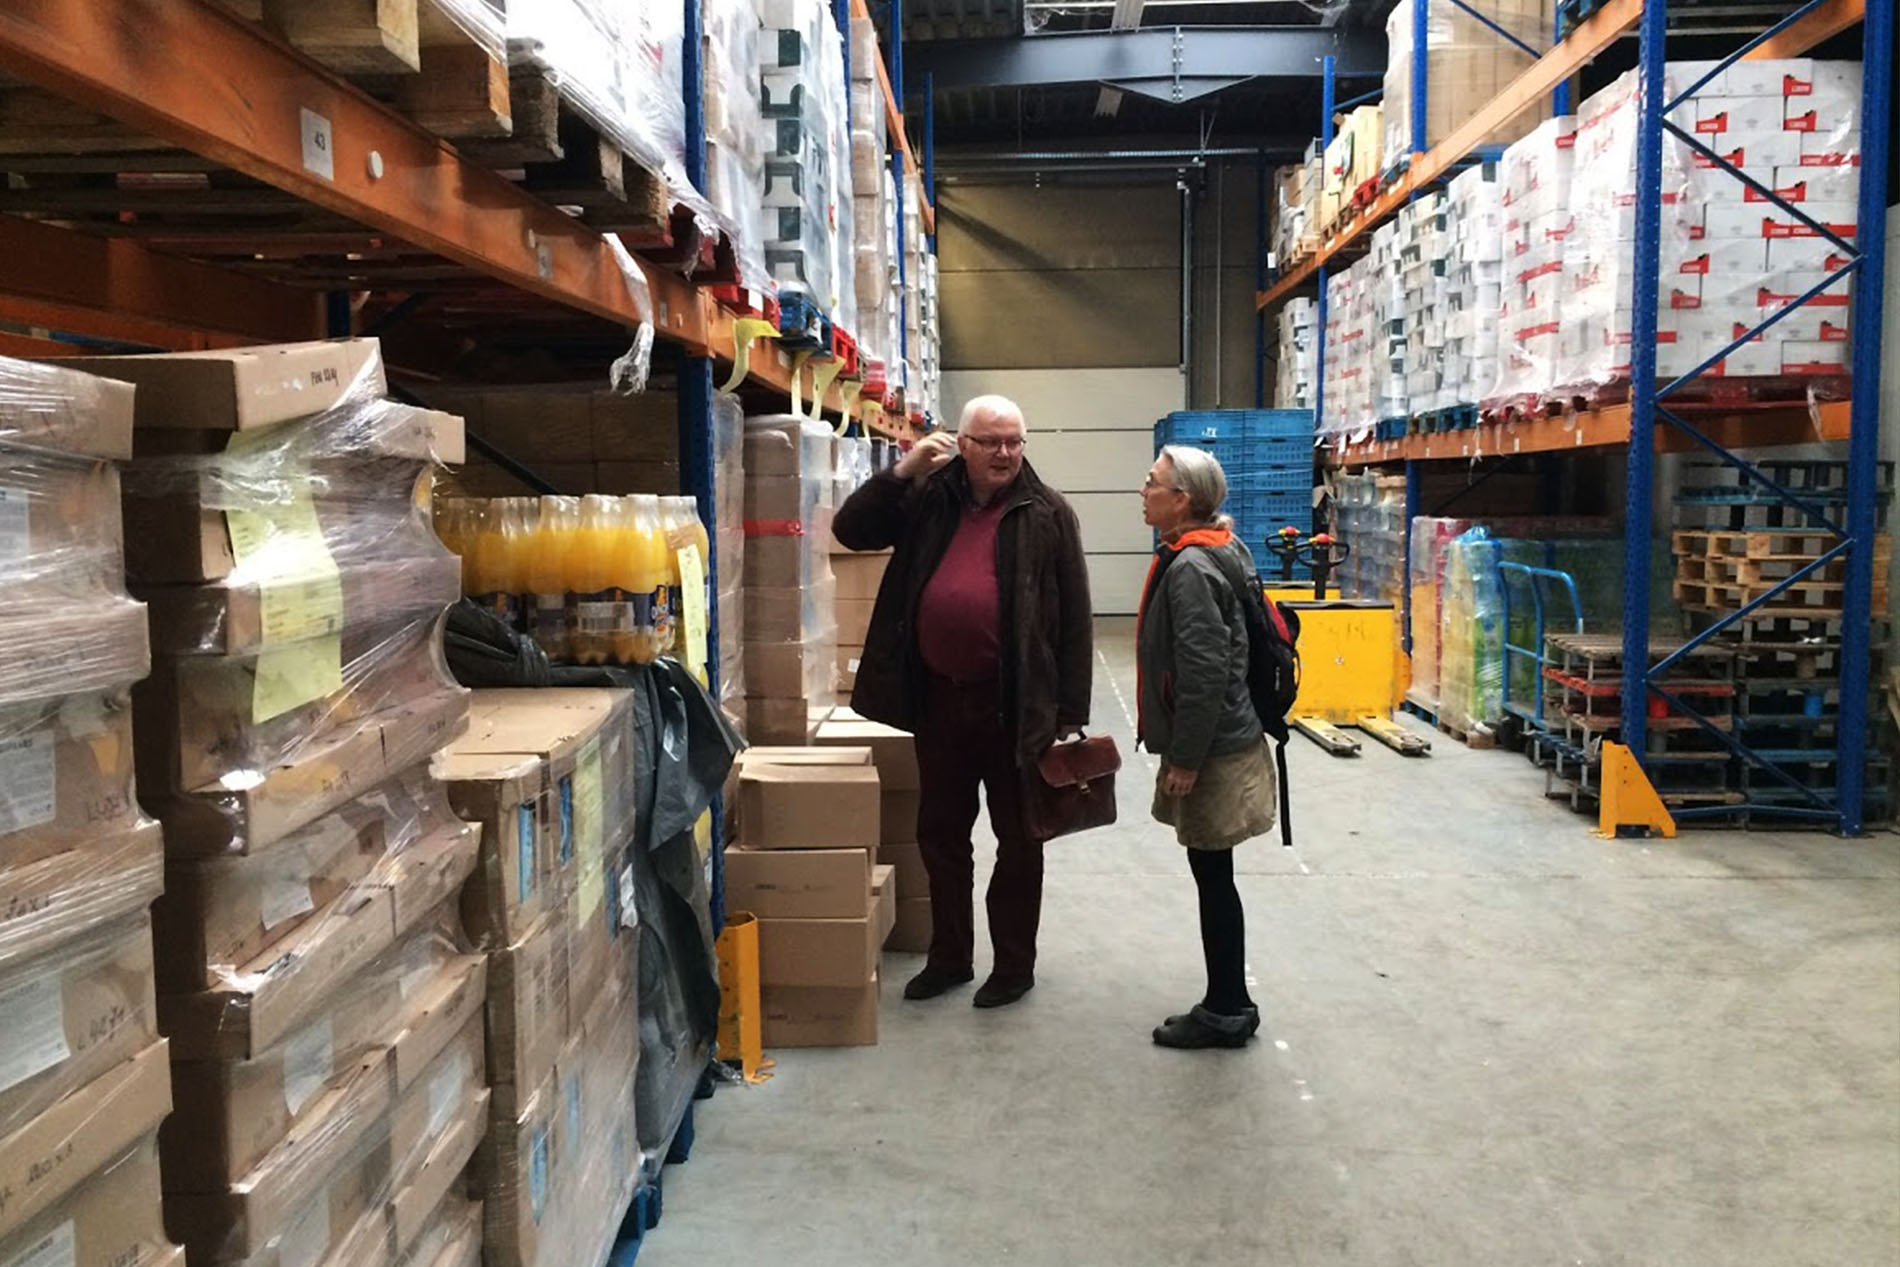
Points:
[962,745]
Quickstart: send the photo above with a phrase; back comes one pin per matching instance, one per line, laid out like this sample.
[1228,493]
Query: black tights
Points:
[1223,931]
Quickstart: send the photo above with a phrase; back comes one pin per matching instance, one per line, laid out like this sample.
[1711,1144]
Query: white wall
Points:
[1091,435]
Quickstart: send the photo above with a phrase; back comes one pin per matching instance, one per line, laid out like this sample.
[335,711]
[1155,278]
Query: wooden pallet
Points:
[1777,544]
[1805,598]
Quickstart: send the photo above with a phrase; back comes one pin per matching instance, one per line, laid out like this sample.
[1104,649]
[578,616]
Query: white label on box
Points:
[33,1039]
[284,899]
[447,1090]
[15,524]
[319,146]
[309,1057]
[629,913]
[29,792]
[55,1249]
[305,1240]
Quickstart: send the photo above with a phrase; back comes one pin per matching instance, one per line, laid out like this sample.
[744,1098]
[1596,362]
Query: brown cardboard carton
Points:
[808,806]
[323,776]
[785,670]
[897,814]
[51,407]
[787,754]
[777,499]
[232,617]
[798,883]
[779,721]
[515,1169]
[910,933]
[640,427]
[859,575]
[73,1014]
[848,660]
[660,478]
[112,1219]
[907,861]
[84,644]
[774,615]
[893,751]
[884,897]
[240,389]
[202,719]
[819,952]
[49,897]
[516,877]
[452,1238]
[63,534]
[261,1002]
[218,913]
[803,1016]
[854,620]
[428,1182]
[45,1157]
[527,1006]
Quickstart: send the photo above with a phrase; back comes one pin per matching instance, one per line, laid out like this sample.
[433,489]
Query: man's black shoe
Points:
[1002,991]
[931,982]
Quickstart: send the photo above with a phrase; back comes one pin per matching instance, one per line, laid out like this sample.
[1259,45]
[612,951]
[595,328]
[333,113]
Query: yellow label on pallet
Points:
[279,548]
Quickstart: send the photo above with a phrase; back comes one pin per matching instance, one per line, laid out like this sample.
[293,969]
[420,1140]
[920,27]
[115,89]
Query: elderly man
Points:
[980,645]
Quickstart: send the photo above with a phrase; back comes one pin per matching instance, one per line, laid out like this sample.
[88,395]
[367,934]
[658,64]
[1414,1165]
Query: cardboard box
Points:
[56,892]
[453,1238]
[72,1015]
[262,1001]
[61,534]
[858,576]
[911,931]
[219,913]
[884,902]
[801,1016]
[90,644]
[47,1156]
[66,410]
[528,1005]
[785,670]
[799,883]
[515,1169]
[233,617]
[112,1219]
[808,806]
[780,721]
[324,775]
[774,615]
[907,860]
[516,878]
[893,751]
[854,619]
[240,389]
[819,952]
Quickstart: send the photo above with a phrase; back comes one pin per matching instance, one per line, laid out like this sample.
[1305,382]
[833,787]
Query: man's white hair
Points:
[1000,407]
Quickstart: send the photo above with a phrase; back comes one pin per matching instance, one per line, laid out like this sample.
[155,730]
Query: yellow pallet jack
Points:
[1350,657]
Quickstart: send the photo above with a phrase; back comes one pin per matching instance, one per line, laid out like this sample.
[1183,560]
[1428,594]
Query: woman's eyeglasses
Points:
[998,444]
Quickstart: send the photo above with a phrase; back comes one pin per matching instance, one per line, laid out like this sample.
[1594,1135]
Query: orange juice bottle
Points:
[651,580]
[488,563]
[517,544]
[592,614]
[549,564]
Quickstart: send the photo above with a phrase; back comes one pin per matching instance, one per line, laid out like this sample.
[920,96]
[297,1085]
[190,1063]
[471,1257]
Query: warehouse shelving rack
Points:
[1647,423]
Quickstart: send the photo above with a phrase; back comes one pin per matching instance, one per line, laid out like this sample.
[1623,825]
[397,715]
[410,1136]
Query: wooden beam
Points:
[351,37]
[118,276]
[1827,21]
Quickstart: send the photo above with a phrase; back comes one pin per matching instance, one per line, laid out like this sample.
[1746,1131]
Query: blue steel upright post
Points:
[1421,46]
[698,465]
[1260,280]
[897,174]
[1640,477]
[1864,419]
[1329,68]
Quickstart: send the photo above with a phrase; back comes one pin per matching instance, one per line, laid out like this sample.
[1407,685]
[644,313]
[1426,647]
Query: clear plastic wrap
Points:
[801,103]
[1430,538]
[1535,202]
[1474,227]
[1470,634]
[359,1185]
[735,132]
[1297,354]
[113,1216]
[1468,63]
[1372,522]
[66,411]
[790,596]
[482,21]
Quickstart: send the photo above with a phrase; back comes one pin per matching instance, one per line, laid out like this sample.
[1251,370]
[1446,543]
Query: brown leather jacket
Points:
[1048,643]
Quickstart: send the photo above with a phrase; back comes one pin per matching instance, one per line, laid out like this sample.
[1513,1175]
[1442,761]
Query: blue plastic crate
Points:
[1279,424]
[1186,426]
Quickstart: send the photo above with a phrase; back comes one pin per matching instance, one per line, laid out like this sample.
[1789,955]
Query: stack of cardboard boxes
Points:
[549,776]
[1352,334]
[595,440]
[1474,283]
[807,867]
[84,1080]
[791,639]
[1349,162]
[1295,233]
[1534,199]
[894,756]
[857,577]
[1423,265]
[1468,63]
[1297,357]
[323,1015]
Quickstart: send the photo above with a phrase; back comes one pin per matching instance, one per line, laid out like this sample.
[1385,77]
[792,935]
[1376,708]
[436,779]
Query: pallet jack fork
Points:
[1333,738]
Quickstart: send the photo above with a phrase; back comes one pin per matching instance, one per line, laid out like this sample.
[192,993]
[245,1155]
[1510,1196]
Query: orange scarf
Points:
[1213,539]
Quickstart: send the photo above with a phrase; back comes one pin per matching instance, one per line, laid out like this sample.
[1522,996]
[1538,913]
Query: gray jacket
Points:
[1191,653]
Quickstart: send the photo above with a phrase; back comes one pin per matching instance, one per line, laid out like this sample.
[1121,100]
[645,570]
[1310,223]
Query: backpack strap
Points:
[1286,800]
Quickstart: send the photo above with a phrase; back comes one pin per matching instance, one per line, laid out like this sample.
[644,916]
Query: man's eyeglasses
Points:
[998,444]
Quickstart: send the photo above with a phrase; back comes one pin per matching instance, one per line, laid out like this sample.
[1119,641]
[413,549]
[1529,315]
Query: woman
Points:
[1216,785]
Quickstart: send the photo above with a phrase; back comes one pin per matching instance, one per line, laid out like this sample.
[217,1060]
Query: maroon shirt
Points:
[959,615]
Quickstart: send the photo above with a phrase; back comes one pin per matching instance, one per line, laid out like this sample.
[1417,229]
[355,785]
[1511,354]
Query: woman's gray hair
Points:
[1198,474]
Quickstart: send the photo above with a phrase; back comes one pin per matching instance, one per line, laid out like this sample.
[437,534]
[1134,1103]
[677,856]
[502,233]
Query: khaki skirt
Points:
[1233,800]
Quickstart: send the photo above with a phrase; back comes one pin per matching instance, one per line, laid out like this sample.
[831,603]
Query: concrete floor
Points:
[1489,1038]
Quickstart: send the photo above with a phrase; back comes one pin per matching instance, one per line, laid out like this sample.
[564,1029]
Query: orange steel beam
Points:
[116,325]
[1827,21]
[1594,34]
[115,275]
[1607,428]
[894,120]
[200,79]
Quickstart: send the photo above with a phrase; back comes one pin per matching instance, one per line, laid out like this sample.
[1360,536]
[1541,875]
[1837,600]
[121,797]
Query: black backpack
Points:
[1273,669]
